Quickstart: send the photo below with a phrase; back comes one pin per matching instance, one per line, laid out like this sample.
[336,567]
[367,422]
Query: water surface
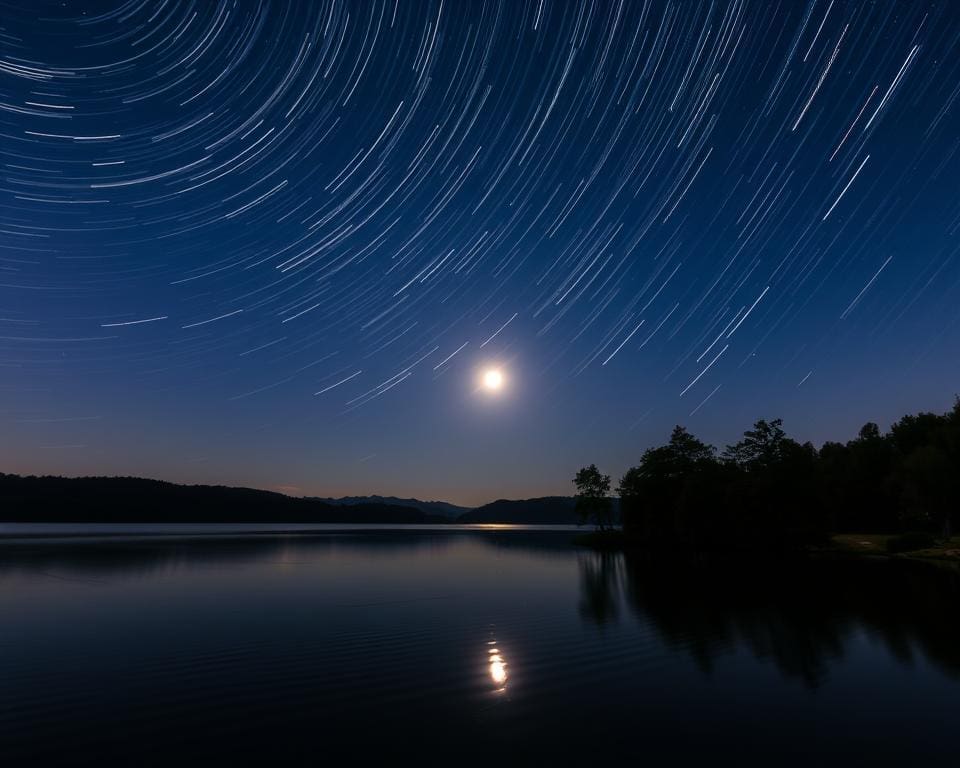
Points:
[461,646]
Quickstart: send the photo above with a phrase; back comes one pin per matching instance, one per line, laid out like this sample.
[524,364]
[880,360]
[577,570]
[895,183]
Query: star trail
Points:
[278,243]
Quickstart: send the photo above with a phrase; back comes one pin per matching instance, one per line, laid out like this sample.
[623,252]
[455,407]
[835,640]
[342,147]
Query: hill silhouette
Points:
[442,508]
[52,499]
[49,499]
[545,510]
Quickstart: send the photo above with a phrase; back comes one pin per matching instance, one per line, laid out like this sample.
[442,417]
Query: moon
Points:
[493,379]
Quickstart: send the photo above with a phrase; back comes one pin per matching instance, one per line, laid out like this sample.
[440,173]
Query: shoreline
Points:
[840,545]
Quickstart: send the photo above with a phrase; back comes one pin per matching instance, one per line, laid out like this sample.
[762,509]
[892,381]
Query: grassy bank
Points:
[877,544]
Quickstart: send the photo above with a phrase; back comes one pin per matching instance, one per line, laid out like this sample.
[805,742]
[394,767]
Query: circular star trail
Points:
[285,235]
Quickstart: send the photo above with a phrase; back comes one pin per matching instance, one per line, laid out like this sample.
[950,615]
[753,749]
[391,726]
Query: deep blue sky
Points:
[660,212]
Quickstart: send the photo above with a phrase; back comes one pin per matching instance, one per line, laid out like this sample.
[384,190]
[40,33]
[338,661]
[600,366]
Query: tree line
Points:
[769,490]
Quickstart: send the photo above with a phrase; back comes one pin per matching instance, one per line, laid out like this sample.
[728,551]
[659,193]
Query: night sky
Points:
[279,243]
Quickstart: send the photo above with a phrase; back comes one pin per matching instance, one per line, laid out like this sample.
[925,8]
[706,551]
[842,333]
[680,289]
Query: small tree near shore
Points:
[593,497]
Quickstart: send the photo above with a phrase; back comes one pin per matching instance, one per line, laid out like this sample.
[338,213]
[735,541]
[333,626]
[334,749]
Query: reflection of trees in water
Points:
[599,598]
[800,614]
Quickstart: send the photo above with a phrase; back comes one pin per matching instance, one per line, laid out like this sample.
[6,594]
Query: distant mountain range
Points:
[552,510]
[548,509]
[135,500]
[32,499]
[443,508]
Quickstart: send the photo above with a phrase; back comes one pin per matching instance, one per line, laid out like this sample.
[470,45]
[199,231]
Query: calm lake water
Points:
[465,646]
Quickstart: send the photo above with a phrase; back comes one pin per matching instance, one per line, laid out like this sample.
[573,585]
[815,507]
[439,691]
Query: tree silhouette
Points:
[593,497]
[760,447]
[768,490]
[660,497]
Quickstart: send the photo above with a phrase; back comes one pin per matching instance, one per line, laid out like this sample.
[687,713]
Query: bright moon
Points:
[493,379]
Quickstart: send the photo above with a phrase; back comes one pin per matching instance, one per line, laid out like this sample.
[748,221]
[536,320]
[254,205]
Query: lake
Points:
[444,645]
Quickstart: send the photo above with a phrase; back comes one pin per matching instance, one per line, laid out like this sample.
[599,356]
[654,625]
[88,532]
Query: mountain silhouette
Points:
[48,499]
[545,510]
[443,508]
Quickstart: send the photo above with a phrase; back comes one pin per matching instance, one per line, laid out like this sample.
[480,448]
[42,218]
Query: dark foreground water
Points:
[466,647]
